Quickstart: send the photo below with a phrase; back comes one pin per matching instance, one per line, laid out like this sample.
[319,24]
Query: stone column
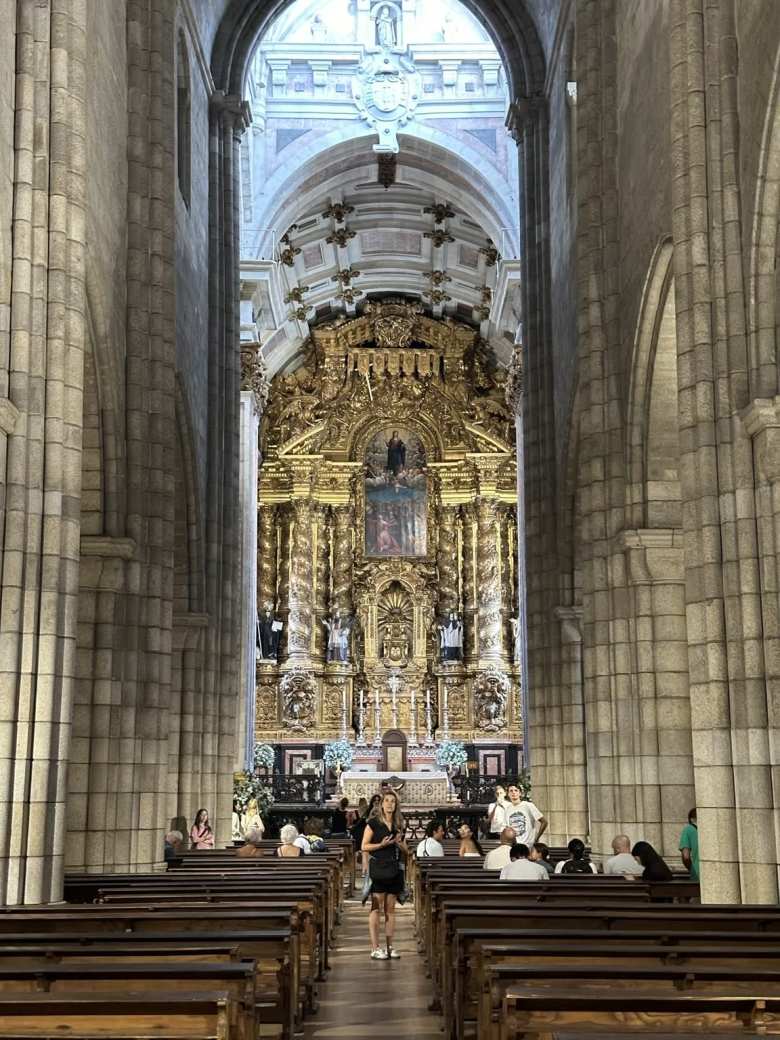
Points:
[299,636]
[570,800]
[42,332]
[662,758]
[254,394]
[730,713]
[228,119]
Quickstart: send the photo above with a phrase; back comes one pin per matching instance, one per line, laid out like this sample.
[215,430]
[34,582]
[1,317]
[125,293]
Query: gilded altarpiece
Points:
[386,507]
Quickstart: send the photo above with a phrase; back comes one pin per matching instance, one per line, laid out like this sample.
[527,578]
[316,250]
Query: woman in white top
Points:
[497,812]
[469,844]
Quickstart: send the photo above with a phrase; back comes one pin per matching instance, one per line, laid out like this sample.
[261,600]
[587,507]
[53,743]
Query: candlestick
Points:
[445,713]
[377,721]
[413,723]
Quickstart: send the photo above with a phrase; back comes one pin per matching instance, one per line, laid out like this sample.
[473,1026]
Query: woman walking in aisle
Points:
[383,841]
[201,834]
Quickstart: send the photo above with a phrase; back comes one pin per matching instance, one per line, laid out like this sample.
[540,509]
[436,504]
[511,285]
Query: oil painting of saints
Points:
[396,494]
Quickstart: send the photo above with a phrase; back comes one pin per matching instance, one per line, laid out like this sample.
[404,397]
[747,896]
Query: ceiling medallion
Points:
[386,91]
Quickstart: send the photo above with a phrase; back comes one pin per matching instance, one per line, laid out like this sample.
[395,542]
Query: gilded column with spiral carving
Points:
[299,623]
[447,559]
[283,528]
[488,581]
[323,535]
[266,556]
[343,533]
[469,579]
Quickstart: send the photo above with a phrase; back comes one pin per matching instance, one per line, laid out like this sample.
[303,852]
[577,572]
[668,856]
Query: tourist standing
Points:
[497,811]
[201,834]
[523,817]
[384,843]
[689,845]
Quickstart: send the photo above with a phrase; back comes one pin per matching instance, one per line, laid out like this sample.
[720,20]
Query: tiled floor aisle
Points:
[365,998]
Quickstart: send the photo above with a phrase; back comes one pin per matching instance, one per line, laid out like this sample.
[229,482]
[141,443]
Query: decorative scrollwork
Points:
[298,693]
[491,698]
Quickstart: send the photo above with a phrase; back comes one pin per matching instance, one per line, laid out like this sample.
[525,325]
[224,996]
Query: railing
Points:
[297,790]
[479,790]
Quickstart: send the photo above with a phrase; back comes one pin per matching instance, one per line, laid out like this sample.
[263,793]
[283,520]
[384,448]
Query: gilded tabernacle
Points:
[387,585]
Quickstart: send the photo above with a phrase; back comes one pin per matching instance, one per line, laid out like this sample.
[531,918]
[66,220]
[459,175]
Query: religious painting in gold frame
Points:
[396,494]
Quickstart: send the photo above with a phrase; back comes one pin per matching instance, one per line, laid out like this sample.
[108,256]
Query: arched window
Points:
[183,119]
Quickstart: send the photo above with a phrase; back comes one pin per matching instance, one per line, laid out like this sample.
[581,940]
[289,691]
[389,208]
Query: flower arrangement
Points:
[524,783]
[264,757]
[247,788]
[338,754]
[451,754]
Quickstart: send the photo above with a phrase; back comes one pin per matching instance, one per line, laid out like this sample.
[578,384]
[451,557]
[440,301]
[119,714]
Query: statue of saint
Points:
[385,28]
[515,623]
[396,454]
[451,638]
[338,637]
[269,631]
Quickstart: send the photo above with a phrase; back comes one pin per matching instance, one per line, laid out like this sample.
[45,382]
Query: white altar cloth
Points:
[420,788]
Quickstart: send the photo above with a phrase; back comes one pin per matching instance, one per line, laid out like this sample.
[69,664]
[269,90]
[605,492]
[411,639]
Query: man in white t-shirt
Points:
[622,862]
[431,844]
[499,857]
[523,817]
[521,868]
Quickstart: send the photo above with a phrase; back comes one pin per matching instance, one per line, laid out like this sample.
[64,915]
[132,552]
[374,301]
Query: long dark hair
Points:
[197,822]
[651,861]
[473,837]
[376,799]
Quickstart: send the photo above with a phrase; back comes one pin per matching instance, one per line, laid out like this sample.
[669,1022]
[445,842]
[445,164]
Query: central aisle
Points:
[365,998]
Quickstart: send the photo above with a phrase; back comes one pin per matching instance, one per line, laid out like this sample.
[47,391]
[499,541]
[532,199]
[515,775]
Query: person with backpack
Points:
[576,863]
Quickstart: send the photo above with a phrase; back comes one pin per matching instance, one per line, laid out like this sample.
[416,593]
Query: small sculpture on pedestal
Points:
[269,632]
[338,637]
[451,638]
[515,624]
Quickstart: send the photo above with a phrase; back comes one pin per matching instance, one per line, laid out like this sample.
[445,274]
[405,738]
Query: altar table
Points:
[419,788]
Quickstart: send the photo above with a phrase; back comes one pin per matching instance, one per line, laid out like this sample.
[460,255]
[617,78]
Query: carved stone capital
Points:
[761,420]
[234,108]
[254,374]
[515,382]
[524,114]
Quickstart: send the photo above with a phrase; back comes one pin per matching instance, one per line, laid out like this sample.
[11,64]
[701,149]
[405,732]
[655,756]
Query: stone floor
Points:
[365,998]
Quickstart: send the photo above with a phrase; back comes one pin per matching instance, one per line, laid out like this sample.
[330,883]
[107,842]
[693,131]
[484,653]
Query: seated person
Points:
[174,845]
[431,845]
[576,863]
[520,867]
[655,869]
[289,838]
[499,858]
[469,843]
[252,846]
[622,863]
[540,853]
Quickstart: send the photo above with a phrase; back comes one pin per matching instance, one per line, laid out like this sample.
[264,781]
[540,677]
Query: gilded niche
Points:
[386,507]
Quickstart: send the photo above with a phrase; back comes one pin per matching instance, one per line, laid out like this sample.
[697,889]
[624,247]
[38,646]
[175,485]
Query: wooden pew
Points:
[531,1012]
[626,972]
[268,951]
[122,1015]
